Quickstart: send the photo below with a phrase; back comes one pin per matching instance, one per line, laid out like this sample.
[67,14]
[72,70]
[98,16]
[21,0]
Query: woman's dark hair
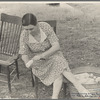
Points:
[29,19]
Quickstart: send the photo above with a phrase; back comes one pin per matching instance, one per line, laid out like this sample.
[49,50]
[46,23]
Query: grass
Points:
[79,37]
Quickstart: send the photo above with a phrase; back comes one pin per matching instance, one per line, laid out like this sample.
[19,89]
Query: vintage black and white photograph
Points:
[49,50]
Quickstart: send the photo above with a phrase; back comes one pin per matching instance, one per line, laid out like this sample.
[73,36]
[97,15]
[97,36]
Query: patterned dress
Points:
[51,68]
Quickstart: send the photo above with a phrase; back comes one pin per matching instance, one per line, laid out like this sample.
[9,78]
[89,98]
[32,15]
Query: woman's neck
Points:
[36,32]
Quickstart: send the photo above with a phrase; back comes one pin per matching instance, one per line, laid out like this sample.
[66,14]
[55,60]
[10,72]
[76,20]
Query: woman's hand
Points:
[37,57]
[29,63]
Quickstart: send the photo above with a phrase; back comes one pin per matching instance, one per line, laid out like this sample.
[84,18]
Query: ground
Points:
[78,27]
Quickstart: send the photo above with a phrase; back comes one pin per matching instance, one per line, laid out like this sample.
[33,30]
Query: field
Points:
[78,30]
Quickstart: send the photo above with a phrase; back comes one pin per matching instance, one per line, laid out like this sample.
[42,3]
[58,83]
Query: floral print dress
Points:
[50,69]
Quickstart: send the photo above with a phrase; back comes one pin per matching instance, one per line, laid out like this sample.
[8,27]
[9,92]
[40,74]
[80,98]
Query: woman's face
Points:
[34,30]
[30,28]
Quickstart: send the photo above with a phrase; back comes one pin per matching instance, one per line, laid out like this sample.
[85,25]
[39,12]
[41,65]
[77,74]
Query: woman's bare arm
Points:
[55,47]
[25,58]
[27,61]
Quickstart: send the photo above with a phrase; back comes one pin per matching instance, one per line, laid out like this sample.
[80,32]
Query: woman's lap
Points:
[51,69]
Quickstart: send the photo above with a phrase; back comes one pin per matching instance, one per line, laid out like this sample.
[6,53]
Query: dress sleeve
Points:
[50,33]
[23,46]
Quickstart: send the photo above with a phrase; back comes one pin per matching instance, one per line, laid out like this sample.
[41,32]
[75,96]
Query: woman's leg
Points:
[57,87]
[77,84]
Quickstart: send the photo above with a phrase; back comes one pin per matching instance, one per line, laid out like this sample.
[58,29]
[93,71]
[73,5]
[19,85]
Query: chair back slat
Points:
[6,32]
[10,34]
[0,28]
[53,24]
[17,37]
[3,37]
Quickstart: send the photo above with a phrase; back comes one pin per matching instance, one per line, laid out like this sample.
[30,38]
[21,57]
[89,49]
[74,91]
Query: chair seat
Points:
[6,60]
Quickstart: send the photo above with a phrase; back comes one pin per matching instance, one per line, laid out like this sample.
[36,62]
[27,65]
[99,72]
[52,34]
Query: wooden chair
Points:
[10,30]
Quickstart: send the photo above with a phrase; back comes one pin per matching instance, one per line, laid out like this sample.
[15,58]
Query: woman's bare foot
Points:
[54,97]
[86,94]
[83,91]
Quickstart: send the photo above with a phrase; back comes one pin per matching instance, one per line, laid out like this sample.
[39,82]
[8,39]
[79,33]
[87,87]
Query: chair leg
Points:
[0,68]
[36,86]
[33,82]
[8,77]
[16,62]
[64,89]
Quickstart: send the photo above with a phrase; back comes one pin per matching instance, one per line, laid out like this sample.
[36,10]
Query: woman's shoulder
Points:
[44,25]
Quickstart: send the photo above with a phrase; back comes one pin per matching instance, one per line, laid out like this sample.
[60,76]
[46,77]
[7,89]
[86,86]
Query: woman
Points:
[40,50]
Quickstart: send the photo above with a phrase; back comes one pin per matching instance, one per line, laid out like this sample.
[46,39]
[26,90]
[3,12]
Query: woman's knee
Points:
[60,77]
[70,76]
[64,72]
